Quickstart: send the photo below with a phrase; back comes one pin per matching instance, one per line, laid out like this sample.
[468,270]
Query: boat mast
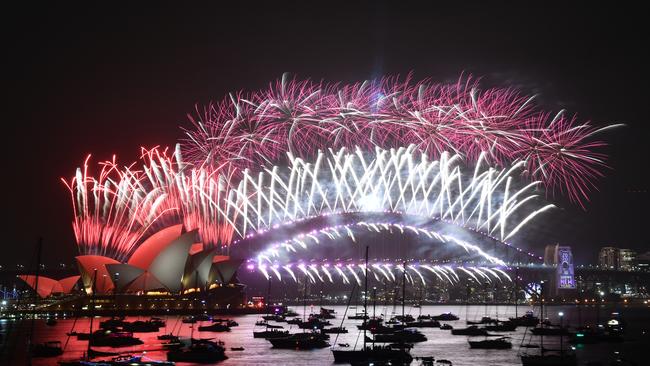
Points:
[365,301]
[516,291]
[403,290]
[39,248]
[374,315]
[268,301]
[541,296]
[92,311]
[304,303]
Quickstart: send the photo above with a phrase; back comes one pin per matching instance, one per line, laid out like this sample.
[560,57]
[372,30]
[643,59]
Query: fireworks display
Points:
[117,209]
[303,117]
[302,150]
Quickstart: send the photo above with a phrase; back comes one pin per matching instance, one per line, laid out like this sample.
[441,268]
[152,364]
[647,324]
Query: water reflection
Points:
[259,352]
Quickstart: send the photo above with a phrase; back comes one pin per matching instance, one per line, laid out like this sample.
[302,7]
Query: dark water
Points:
[440,345]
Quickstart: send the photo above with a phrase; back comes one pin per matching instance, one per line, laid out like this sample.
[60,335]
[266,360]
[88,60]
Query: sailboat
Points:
[269,332]
[116,361]
[546,358]
[374,354]
[304,340]
[46,349]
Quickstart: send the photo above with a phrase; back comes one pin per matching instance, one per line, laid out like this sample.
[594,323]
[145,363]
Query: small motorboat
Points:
[446,327]
[236,348]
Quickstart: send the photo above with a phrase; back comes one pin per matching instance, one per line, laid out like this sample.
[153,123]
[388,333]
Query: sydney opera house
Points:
[170,266]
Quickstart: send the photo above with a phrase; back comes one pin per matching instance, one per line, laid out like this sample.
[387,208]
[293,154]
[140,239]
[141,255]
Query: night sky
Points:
[106,80]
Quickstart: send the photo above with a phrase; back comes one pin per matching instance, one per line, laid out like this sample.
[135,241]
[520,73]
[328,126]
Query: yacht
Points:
[199,351]
[301,341]
[497,343]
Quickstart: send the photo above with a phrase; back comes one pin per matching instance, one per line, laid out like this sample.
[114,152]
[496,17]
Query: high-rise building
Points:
[608,258]
[626,259]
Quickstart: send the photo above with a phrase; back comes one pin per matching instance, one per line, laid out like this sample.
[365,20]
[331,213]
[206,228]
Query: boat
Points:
[544,358]
[527,320]
[382,329]
[277,318]
[325,314]
[401,336]
[294,321]
[47,349]
[229,322]
[358,316]
[472,330]
[107,338]
[314,323]
[236,348]
[484,320]
[506,326]
[301,341]
[199,351]
[112,323]
[334,330]
[126,360]
[446,327]
[497,343]
[445,317]
[167,337]
[401,319]
[371,323]
[373,355]
[140,326]
[423,323]
[93,353]
[214,327]
[268,334]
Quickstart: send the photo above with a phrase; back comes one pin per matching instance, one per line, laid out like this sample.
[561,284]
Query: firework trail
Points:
[302,117]
[397,180]
[116,210]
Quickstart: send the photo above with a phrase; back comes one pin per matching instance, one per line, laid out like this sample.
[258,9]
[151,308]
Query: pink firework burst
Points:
[248,130]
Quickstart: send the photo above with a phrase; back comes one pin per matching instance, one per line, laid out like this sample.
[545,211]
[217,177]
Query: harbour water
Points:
[441,344]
